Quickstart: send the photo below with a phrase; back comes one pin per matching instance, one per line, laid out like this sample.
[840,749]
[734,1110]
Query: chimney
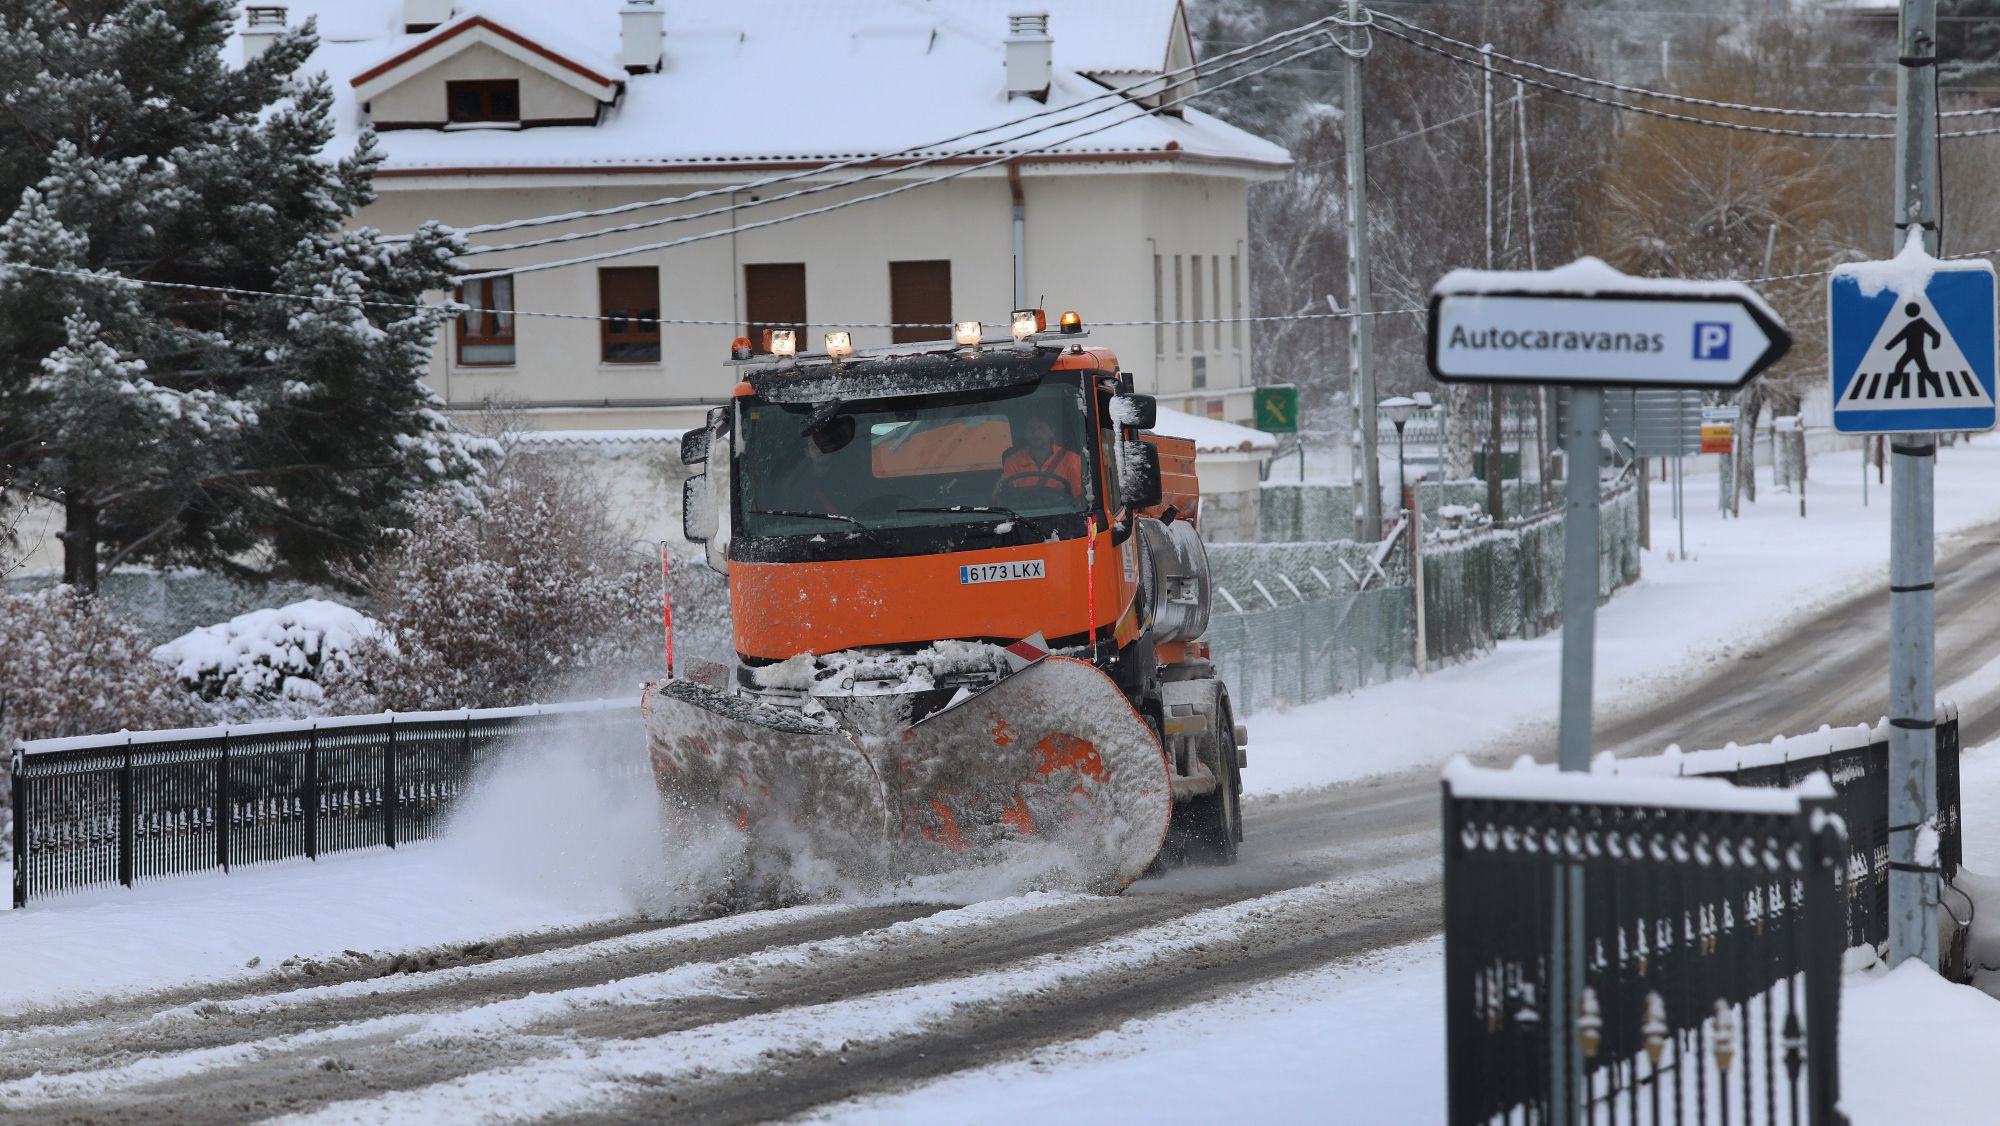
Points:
[1028,55]
[262,24]
[640,26]
[422,15]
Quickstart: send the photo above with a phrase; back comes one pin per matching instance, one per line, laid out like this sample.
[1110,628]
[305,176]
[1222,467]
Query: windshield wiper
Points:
[858,525]
[992,509]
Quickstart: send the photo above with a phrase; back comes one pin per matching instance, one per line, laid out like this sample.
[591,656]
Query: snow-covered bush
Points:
[67,667]
[538,595]
[271,662]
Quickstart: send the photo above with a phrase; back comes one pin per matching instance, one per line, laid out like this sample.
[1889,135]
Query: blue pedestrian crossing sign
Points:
[1911,345]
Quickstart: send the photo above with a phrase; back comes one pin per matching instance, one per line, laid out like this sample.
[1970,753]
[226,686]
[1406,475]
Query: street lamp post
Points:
[1399,409]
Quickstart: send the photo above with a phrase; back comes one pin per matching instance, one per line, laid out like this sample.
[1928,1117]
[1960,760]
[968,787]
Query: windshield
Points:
[1013,454]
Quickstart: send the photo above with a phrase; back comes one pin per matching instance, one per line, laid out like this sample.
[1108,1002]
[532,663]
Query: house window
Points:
[1199,369]
[919,294]
[486,328]
[1159,311]
[1194,260]
[1236,302]
[628,298]
[774,297]
[496,99]
[1215,295]
[1180,310]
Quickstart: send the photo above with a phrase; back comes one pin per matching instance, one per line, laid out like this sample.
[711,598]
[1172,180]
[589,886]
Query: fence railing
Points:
[1857,761]
[1710,943]
[121,809]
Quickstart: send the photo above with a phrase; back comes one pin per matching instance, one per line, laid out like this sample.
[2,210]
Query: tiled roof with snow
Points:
[774,81]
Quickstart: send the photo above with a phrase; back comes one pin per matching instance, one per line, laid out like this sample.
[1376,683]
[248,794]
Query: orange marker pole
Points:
[667,604]
[1090,581]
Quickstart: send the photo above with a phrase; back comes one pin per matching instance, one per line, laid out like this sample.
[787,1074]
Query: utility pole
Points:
[1495,398]
[1360,326]
[1913,882]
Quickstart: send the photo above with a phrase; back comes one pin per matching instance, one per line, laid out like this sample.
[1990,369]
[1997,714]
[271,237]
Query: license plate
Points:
[1001,572]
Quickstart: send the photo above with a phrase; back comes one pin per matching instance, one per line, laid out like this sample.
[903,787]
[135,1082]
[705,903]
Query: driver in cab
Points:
[1040,463]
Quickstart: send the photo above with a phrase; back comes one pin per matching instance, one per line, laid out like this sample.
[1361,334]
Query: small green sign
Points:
[1278,410]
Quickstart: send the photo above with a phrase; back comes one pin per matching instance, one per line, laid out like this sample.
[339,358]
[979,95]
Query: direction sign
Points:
[1911,345]
[1277,409]
[1586,323]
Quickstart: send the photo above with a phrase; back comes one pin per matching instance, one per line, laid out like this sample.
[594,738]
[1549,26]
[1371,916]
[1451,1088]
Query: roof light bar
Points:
[784,343]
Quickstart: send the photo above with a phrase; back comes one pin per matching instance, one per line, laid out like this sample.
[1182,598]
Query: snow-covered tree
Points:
[177,424]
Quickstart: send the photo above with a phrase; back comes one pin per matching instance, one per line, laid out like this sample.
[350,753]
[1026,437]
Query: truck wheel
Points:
[1210,826]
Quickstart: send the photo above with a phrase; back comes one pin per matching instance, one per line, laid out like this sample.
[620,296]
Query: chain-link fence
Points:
[1294,654]
[1298,622]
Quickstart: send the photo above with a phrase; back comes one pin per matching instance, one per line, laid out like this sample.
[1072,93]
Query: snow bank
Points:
[1540,783]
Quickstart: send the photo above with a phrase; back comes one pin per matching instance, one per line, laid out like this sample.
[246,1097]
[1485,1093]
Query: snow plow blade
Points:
[1053,755]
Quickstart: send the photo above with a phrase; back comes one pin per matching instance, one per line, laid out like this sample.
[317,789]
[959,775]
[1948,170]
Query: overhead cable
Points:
[1116,96]
[831,185]
[725,232]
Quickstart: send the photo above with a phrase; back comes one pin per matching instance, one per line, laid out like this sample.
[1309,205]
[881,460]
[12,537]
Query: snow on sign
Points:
[1912,344]
[1586,323]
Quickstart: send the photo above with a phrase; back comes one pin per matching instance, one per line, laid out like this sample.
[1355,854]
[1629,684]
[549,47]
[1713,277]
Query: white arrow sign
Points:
[1587,323]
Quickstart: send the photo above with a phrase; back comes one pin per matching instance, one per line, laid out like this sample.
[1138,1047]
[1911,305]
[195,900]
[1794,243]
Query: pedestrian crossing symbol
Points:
[1911,344]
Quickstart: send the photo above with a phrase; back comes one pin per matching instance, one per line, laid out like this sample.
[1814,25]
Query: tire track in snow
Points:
[598,1076]
[729,977]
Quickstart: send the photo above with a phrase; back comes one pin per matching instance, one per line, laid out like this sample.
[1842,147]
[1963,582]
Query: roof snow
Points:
[1211,434]
[761,81]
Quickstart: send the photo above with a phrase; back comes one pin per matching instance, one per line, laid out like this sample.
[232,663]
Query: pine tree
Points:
[247,434]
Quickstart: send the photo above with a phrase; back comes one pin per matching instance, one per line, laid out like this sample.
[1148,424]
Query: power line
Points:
[649,248]
[1612,103]
[1589,80]
[1117,96]
[898,170]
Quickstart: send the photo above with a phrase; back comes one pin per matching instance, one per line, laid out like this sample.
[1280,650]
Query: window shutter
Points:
[774,297]
[920,293]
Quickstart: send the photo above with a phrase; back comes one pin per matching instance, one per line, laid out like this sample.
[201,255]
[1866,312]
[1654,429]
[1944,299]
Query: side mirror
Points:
[1137,411]
[698,522]
[1139,475]
[694,446]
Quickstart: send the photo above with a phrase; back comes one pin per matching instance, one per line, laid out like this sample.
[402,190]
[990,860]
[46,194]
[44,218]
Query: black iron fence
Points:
[119,809]
[1857,761]
[1711,950]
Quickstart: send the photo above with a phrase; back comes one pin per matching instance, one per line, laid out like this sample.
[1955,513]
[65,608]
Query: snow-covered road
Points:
[529,985]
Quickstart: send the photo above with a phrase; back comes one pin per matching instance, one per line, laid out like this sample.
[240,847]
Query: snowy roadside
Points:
[1363,1042]
[1744,579]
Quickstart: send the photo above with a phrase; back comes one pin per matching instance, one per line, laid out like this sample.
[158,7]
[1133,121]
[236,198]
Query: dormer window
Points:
[487,100]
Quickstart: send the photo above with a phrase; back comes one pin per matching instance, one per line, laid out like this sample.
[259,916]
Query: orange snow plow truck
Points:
[968,596]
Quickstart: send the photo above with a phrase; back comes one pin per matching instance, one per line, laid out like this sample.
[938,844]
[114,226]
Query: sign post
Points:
[1591,327]
[1912,344]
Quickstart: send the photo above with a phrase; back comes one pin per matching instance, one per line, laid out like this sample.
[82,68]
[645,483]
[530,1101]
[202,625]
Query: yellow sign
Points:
[1715,438]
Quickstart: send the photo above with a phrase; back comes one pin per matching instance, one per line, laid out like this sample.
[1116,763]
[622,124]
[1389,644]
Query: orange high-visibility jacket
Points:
[1061,463]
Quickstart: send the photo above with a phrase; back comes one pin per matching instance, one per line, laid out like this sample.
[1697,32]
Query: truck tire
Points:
[1209,827]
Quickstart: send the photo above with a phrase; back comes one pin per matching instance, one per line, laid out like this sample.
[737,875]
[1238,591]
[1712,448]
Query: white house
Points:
[498,111]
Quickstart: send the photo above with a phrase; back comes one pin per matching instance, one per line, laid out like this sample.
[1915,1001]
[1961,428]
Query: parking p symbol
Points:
[1711,340]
